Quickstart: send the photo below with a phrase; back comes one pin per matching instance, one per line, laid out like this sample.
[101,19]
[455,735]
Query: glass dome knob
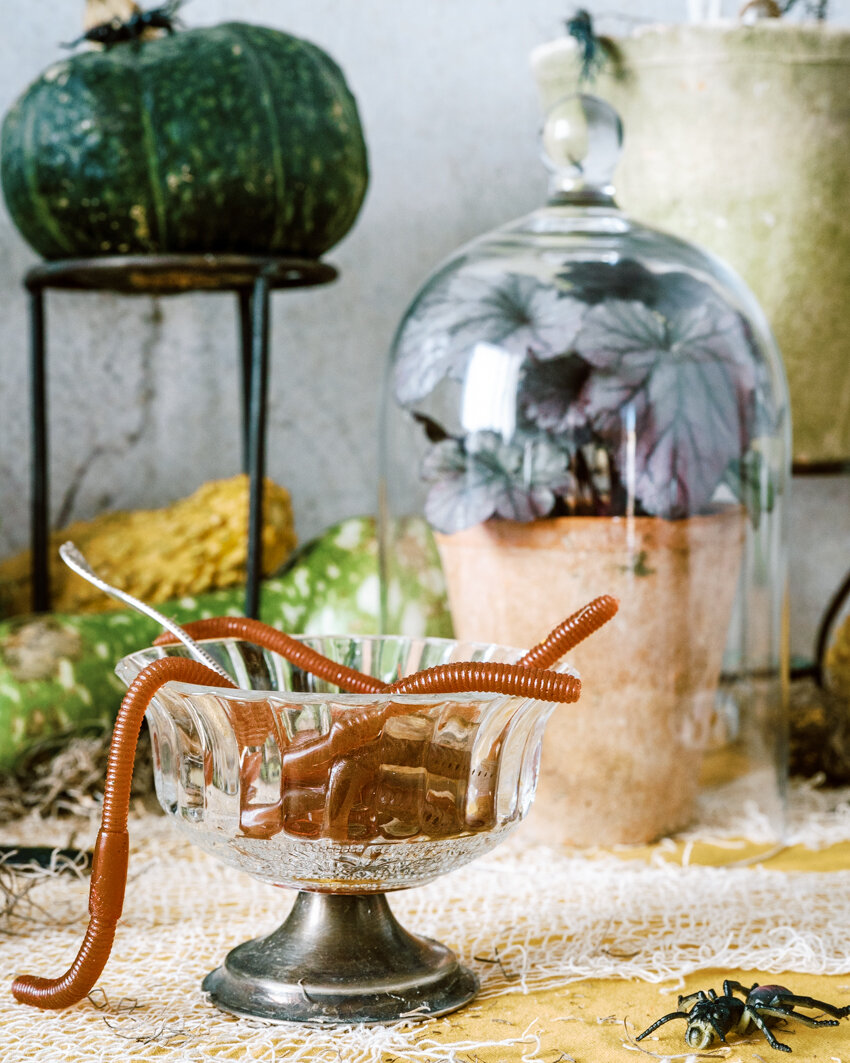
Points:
[582,139]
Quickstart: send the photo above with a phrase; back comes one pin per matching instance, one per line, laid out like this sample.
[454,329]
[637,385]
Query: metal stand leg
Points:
[252,278]
[244,296]
[257,439]
[39,504]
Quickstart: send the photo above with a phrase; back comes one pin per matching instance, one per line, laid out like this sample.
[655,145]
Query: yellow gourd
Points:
[197,544]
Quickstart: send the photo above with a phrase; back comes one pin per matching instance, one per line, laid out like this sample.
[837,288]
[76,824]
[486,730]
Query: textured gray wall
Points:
[143,393]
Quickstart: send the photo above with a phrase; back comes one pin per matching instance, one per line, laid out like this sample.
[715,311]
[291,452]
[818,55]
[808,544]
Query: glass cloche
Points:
[578,405]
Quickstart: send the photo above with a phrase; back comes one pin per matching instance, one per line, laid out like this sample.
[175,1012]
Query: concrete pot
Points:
[738,138]
[621,766]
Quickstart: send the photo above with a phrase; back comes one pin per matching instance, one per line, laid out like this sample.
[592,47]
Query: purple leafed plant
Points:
[631,390]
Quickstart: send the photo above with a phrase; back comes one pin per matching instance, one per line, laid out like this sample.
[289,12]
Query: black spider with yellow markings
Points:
[711,1017]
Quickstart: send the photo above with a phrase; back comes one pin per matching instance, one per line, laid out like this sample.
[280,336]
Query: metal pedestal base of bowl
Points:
[340,958]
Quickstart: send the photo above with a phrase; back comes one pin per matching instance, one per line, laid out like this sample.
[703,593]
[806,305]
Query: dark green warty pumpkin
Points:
[233,138]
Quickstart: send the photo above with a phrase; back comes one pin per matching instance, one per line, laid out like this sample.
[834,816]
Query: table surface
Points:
[572,949]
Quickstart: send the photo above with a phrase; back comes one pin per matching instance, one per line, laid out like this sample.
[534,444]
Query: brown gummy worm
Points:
[570,632]
[358,727]
[109,868]
[493,677]
[269,638]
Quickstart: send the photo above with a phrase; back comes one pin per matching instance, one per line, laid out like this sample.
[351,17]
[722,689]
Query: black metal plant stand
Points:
[252,278]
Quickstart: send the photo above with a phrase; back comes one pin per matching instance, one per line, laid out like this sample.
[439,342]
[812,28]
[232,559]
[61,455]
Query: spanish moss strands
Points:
[63,783]
[20,910]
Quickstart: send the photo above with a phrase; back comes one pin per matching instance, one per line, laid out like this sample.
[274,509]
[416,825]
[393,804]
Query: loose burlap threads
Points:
[525,918]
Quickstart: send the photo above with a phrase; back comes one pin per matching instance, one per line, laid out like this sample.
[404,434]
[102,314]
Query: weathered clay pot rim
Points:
[822,34]
[499,529]
[723,28]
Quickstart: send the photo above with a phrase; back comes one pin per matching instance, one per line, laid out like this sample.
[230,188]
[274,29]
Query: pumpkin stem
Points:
[119,21]
[100,11]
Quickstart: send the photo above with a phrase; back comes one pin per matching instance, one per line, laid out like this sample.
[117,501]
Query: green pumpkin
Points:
[233,138]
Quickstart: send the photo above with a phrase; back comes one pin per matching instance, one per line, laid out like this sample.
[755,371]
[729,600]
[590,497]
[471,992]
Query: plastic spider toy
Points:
[712,1016]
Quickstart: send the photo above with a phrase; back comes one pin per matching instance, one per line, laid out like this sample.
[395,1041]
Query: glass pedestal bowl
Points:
[416,786]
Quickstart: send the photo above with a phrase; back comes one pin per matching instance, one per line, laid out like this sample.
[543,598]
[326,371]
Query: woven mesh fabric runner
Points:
[530,921]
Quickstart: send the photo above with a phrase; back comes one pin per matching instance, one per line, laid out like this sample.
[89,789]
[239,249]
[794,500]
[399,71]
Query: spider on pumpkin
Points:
[711,1017]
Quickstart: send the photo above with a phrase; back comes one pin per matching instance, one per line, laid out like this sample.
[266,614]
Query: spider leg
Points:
[810,1002]
[661,1021]
[806,1020]
[730,986]
[699,995]
[758,1021]
[720,1032]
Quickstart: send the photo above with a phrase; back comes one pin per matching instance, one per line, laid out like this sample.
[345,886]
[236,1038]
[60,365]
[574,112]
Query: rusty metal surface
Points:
[173,274]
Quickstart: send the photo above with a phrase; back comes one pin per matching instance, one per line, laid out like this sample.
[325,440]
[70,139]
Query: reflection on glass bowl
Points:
[417,786]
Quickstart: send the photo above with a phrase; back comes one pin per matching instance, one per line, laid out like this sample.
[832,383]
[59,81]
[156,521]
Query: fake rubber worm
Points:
[565,637]
[570,632]
[109,870]
[359,727]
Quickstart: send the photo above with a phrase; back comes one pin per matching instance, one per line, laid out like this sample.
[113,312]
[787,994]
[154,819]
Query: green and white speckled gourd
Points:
[231,138]
[56,672]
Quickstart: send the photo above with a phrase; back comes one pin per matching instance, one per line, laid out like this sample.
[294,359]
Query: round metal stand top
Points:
[173,274]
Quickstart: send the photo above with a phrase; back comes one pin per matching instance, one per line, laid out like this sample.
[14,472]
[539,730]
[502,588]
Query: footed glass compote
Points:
[342,797]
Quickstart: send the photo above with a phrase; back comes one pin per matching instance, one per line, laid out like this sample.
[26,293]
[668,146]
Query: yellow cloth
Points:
[535,924]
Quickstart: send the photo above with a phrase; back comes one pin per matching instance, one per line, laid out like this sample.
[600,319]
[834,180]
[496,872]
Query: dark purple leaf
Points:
[593,282]
[549,391]
[434,431]
[463,492]
[670,292]
[686,387]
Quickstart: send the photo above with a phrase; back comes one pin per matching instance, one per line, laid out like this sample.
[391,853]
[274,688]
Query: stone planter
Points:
[621,766]
[736,137]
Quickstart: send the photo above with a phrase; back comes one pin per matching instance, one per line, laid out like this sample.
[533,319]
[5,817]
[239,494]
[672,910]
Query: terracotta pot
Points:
[623,764]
